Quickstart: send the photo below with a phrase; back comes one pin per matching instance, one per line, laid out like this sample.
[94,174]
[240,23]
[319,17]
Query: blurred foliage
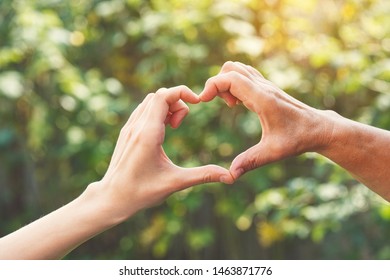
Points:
[72,71]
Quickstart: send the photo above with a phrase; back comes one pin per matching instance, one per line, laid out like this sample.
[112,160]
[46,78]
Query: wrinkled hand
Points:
[140,174]
[289,127]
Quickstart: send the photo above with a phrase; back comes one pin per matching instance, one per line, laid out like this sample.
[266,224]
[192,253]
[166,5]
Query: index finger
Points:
[174,94]
[165,99]
[232,82]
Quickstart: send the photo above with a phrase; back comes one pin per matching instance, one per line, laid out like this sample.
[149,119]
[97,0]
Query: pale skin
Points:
[139,176]
[290,128]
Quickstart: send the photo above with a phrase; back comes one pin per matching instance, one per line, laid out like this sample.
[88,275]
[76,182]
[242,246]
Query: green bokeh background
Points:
[71,72]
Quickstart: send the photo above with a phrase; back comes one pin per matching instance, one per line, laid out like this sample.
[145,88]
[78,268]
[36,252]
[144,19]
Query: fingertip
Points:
[205,96]
[248,160]
[229,104]
[226,179]
[175,123]
[198,100]
[237,167]
[227,66]
[182,92]
[211,89]
[190,96]
[178,117]
[237,173]
[193,96]
[224,175]
[206,174]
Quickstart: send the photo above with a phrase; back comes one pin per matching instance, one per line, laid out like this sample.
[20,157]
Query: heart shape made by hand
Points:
[289,127]
[212,133]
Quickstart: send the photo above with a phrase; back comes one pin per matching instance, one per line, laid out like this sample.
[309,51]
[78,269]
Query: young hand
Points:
[140,174]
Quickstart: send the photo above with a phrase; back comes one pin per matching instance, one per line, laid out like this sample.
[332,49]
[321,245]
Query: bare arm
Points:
[291,127]
[362,150]
[139,176]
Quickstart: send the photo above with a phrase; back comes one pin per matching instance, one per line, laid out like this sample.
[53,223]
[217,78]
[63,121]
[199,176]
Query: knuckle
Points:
[207,177]
[210,81]
[185,109]
[228,66]
[140,138]
[123,131]
[235,75]
[160,92]
[149,96]
[137,139]
[183,88]
[252,164]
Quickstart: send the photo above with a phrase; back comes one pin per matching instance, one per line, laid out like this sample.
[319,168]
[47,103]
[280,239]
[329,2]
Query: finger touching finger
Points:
[252,158]
[232,82]
[177,93]
[168,105]
[215,86]
[240,165]
[205,174]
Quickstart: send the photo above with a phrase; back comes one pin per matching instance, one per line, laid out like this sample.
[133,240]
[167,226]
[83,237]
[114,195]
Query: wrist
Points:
[331,132]
[102,200]
[317,130]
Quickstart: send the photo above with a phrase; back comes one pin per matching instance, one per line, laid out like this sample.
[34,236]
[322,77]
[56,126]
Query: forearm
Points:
[362,150]
[56,234]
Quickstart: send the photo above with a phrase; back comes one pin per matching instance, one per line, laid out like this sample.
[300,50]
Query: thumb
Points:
[205,174]
[252,158]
